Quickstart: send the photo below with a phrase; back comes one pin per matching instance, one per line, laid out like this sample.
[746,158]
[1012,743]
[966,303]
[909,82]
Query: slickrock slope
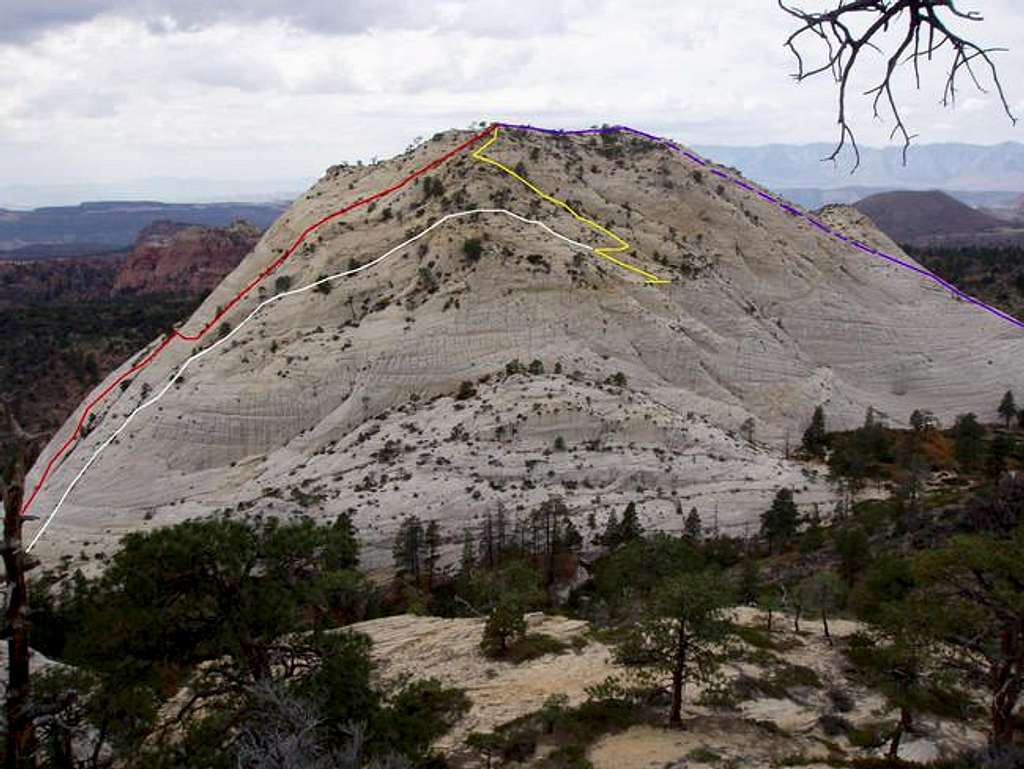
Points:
[345,399]
[762,730]
[180,258]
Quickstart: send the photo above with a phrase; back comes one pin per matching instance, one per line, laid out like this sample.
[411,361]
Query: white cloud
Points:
[263,89]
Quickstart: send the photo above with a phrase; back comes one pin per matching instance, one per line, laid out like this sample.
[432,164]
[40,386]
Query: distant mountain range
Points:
[24,196]
[37,233]
[988,175]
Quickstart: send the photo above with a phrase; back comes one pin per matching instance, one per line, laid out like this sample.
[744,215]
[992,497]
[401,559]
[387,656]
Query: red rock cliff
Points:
[181,258]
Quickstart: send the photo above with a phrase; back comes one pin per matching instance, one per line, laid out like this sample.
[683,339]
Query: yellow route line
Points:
[607,251]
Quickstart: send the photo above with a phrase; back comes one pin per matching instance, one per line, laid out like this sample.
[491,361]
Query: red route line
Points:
[238,297]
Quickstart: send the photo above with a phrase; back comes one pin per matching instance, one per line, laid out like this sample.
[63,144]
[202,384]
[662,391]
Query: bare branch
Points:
[927,32]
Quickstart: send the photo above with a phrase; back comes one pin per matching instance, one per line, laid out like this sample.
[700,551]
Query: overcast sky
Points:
[271,92]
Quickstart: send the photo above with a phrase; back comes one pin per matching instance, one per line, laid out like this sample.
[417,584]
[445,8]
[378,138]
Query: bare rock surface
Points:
[761,731]
[346,399]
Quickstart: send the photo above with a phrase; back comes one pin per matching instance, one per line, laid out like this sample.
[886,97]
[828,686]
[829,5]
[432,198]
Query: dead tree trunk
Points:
[21,741]
[905,724]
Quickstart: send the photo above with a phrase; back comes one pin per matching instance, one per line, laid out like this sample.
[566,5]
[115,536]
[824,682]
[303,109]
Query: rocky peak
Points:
[490,363]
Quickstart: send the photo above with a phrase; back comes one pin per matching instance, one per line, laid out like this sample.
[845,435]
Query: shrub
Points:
[532,646]
[432,187]
[841,700]
[719,696]
[472,249]
[618,379]
[833,725]
[704,755]
[559,443]
[466,391]
[572,756]
[756,637]
[282,283]
[872,734]
[422,712]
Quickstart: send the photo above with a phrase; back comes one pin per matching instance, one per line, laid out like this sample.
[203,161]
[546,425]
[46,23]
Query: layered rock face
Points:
[352,398]
[179,258]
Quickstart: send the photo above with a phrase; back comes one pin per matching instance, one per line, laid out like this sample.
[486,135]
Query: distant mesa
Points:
[182,258]
[114,225]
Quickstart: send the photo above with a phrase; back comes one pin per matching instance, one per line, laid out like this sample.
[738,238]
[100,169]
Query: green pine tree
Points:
[1008,408]
[815,439]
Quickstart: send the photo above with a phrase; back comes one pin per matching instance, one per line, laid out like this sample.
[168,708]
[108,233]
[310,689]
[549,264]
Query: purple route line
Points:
[673,147]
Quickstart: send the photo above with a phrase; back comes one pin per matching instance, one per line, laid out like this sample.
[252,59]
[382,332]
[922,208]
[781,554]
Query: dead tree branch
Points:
[929,32]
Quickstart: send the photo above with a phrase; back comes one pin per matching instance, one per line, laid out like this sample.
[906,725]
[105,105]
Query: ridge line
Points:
[605,251]
[181,369]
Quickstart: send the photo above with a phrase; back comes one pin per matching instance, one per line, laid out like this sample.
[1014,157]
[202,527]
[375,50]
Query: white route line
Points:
[260,306]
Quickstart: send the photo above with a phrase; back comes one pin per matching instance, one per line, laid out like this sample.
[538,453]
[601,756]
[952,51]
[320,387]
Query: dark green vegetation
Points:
[933,569]
[993,274]
[216,643]
[54,353]
[223,643]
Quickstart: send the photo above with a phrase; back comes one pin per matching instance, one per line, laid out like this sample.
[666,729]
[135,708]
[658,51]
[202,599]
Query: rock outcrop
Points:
[352,397]
[800,696]
[179,258]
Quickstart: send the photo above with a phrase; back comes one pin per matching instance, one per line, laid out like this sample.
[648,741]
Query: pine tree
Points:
[814,537]
[505,625]
[467,562]
[995,461]
[747,428]
[682,633]
[968,442]
[779,523]
[433,552]
[815,438]
[750,581]
[551,511]
[572,541]
[693,528]
[409,549]
[488,550]
[854,549]
[609,538]
[500,532]
[630,528]
[1008,408]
